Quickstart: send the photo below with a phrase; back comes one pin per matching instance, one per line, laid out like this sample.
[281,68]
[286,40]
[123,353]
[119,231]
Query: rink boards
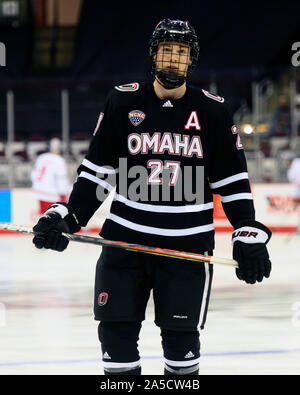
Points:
[20,206]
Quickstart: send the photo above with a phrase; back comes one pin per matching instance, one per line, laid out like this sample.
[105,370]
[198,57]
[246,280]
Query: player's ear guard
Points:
[249,241]
[48,231]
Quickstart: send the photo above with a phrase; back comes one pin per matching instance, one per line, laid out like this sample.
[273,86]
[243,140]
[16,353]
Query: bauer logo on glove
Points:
[251,235]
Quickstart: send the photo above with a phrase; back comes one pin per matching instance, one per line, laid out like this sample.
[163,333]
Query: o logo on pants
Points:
[102,298]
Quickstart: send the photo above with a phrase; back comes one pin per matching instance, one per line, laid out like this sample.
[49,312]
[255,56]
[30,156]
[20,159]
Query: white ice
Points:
[47,325]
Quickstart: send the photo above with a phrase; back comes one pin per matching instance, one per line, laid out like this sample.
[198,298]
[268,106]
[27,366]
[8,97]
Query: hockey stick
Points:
[128,246]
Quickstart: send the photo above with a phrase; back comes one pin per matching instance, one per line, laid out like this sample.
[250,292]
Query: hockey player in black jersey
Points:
[162,125]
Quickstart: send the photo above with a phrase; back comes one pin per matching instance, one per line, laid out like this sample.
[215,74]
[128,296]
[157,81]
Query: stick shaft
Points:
[129,246]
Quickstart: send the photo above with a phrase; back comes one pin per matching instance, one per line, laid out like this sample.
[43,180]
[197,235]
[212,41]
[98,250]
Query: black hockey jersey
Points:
[166,158]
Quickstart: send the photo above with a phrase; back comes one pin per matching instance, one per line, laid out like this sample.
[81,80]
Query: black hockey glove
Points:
[48,231]
[250,251]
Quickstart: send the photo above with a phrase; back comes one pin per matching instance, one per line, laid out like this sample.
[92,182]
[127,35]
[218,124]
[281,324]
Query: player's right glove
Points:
[250,251]
[48,231]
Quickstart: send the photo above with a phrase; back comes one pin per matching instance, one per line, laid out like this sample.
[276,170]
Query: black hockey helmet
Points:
[169,30]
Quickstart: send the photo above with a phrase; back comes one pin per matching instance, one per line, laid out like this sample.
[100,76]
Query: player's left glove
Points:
[250,251]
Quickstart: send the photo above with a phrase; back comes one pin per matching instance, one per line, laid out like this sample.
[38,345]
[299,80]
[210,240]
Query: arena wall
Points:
[20,207]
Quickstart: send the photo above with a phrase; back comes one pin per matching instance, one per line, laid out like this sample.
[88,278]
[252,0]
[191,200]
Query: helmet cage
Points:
[176,32]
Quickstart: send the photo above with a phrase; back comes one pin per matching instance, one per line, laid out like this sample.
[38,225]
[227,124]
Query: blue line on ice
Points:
[92,360]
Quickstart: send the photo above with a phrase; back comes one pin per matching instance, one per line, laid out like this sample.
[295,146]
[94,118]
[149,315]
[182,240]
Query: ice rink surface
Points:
[47,325]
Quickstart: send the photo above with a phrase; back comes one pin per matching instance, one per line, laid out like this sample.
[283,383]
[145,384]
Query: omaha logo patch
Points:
[136,117]
[102,299]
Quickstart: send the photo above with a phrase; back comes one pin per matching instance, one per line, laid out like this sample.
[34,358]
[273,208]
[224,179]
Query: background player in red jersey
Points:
[160,125]
[50,178]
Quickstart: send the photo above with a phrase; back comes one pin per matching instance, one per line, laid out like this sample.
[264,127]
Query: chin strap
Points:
[170,80]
